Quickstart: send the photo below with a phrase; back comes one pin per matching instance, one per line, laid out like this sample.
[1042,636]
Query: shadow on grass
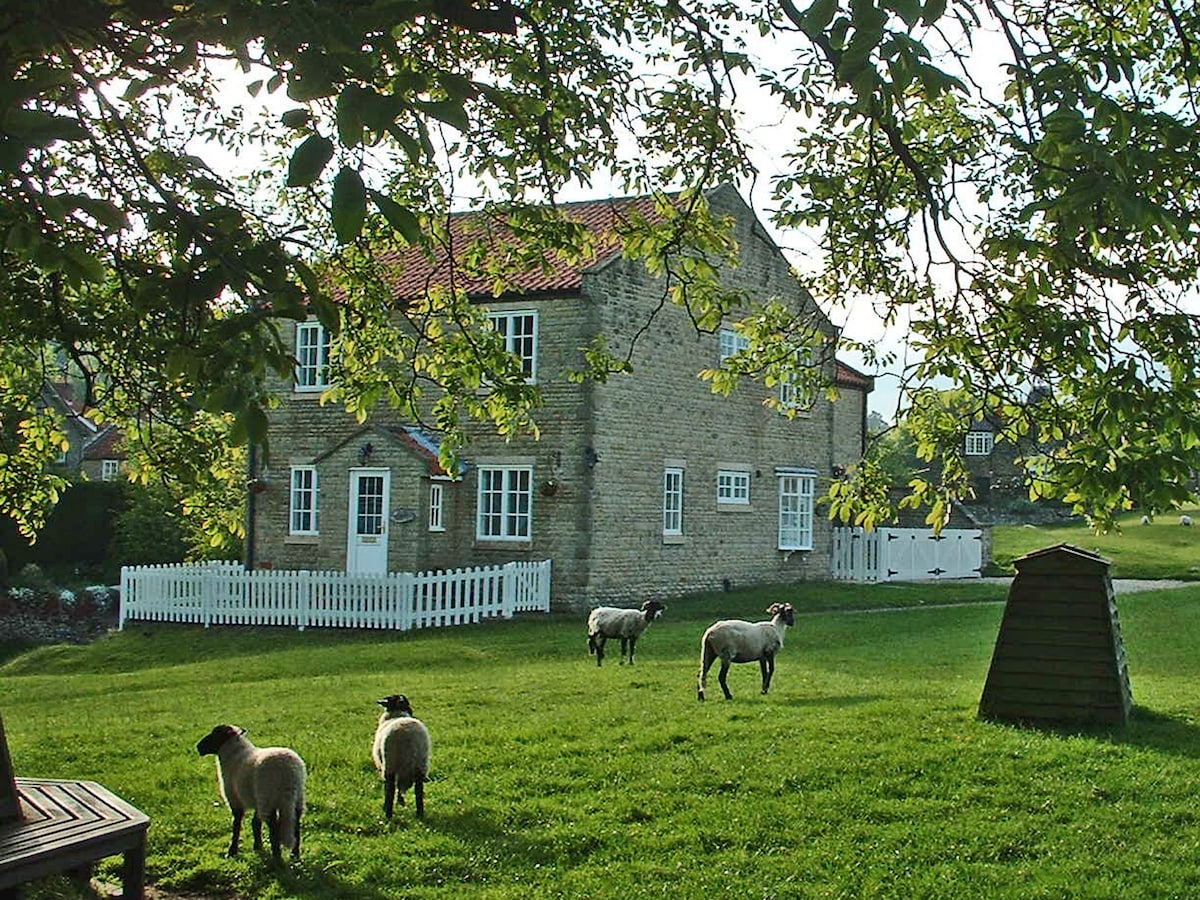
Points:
[1176,735]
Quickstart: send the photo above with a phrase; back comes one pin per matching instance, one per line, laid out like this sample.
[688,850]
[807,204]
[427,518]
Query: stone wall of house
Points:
[664,415]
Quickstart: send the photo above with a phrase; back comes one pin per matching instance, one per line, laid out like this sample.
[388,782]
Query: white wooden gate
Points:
[906,554]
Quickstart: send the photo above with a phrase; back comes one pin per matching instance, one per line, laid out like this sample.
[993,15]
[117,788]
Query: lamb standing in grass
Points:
[401,752]
[735,641]
[627,624]
[269,780]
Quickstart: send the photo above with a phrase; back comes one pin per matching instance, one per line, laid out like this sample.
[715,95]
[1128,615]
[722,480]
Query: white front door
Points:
[367,541]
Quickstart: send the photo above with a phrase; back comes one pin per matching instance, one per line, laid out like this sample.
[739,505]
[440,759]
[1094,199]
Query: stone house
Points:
[645,485]
[94,451]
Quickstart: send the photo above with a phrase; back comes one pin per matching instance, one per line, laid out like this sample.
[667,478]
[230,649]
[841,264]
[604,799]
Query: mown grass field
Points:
[865,772]
[1162,549]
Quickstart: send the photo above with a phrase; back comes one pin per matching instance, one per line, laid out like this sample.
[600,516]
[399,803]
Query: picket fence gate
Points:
[906,554]
[223,593]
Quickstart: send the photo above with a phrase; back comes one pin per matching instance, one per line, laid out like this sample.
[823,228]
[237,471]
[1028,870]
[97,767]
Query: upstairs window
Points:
[979,443]
[731,342]
[795,393]
[109,468]
[305,501]
[312,357]
[519,330]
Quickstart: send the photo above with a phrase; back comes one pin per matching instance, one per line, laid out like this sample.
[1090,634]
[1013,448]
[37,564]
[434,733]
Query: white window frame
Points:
[730,343]
[733,487]
[312,357]
[304,500]
[672,501]
[797,495]
[504,503]
[979,443]
[790,396]
[437,506]
[522,344]
[110,469]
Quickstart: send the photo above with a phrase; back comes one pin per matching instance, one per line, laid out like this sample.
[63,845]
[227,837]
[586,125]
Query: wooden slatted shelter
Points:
[1059,657]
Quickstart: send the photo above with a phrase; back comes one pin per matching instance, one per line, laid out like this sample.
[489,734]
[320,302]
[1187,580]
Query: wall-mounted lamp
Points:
[839,471]
[364,453]
[590,457]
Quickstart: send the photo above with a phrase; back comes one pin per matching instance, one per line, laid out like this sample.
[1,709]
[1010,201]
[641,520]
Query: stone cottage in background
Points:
[646,485]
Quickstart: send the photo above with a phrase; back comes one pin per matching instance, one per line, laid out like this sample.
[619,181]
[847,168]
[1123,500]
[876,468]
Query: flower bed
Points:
[41,616]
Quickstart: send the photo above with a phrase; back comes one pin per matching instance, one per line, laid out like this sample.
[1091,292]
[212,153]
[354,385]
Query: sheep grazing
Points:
[1185,520]
[627,624]
[401,753]
[269,780]
[1145,520]
[735,641]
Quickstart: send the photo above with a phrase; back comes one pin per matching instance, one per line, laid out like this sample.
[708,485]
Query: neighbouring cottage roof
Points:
[108,444]
[64,393]
[417,269]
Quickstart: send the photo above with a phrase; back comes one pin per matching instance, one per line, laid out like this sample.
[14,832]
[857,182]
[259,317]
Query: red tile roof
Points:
[844,375]
[108,444]
[417,269]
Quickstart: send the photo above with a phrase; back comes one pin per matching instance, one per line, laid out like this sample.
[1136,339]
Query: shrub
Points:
[80,527]
[149,530]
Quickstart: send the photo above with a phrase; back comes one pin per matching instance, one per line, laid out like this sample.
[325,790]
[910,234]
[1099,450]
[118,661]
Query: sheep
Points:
[1145,520]
[1185,520]
[735,641]
[401,753]
[269,780]
[627,624]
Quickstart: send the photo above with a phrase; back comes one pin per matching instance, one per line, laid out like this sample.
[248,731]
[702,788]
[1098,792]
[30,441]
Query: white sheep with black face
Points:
[737,641]
[606,622]
[268,780]
[401,751]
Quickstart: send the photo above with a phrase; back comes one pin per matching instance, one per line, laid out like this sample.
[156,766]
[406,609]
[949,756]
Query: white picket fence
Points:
[906,554]
[223,593]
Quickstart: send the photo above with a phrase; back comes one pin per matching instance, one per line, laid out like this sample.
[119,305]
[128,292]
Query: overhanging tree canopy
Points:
[1029,210]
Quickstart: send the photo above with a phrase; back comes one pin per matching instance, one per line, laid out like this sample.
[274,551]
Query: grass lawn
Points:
[864,773]
[1162,549]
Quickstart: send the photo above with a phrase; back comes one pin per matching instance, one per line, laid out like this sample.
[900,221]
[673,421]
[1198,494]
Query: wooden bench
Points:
[51,826]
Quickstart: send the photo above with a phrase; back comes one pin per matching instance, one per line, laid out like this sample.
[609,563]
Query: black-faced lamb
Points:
[401,752]
[606,622]
[736,641]
[268,780]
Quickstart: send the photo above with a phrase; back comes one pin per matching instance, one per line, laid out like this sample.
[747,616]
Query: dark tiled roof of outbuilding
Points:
[416,270]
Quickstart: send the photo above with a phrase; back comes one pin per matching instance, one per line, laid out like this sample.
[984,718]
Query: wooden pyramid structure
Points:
[1059,658]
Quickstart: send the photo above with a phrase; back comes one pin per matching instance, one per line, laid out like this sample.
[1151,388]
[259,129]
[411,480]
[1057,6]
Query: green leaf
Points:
[449,111]
[309,160]
[934,10]
[401,218]
[350,108]
[295,118]
[818,16]
[349,204]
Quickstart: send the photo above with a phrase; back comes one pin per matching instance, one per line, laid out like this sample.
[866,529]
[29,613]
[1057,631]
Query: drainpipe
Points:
[251,503]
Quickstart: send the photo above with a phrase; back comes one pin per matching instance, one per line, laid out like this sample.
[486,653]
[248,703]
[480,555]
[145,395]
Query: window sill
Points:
[310,539]
[734,507]
[674,539]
